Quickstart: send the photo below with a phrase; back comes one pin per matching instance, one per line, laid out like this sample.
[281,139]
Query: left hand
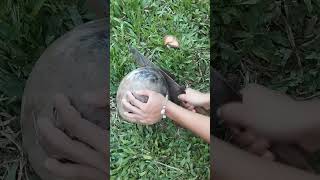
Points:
[80,141]
[144,113]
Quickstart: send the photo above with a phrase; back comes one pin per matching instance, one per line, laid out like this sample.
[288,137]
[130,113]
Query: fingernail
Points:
[219,112]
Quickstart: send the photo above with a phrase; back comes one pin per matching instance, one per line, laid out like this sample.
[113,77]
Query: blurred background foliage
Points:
[270,42]
[27,28]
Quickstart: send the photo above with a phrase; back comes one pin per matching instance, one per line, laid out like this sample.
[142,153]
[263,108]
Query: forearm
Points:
[231,163]
[197,123]
[207,103]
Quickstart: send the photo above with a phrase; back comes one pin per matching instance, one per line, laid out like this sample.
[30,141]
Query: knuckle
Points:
[135,101]
[144,108]
[131,97]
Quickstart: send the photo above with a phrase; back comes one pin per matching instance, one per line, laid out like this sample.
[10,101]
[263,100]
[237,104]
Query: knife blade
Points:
[174,88]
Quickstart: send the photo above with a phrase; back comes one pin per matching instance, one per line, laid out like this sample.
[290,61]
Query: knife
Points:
[174,88]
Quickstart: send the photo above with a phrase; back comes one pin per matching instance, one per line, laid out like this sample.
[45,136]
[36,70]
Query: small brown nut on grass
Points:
[171,41]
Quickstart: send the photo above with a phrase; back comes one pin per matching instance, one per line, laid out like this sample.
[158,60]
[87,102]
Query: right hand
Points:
[193,98]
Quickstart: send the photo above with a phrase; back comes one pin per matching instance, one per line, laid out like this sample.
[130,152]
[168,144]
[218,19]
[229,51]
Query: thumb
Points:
[234,114]
[183,97]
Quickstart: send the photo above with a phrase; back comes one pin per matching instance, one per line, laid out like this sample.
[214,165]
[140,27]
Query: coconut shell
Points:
[140,79]
[75,64]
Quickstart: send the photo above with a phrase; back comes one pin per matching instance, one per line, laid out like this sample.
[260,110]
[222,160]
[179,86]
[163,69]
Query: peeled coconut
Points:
[140,79]
[74,65]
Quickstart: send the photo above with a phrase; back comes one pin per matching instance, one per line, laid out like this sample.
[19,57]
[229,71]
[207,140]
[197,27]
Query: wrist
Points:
[169,109]
[206,101]
[172,111]
[164,107]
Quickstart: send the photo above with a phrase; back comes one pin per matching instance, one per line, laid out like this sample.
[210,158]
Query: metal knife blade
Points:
[173,87]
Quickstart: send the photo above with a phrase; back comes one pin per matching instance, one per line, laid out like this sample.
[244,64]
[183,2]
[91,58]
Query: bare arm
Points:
[230,163]
[197,123]
[149,113]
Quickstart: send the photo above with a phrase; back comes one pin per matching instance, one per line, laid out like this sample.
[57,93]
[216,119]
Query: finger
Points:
[187,106]
[190,90]
[97,98]
[191,108]
[134,101]
[245,139]
[269,155]
[234,114]
[144,92]
[183,97]
[73,171]
[144,122]
[259,147]
[235,130]
[70,149]
[130,107]
[132,117]
[184,104]
[79,127]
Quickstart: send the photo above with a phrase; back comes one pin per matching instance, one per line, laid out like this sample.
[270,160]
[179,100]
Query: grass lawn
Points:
[273,43]
[164,150]
[26,29]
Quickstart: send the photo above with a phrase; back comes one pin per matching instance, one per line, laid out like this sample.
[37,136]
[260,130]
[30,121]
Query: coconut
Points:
[140,79]
[76,64]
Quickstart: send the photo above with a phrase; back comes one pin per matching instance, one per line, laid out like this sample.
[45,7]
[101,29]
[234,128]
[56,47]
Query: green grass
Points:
[164,150]
[256,44]
[26,29]
[273,43]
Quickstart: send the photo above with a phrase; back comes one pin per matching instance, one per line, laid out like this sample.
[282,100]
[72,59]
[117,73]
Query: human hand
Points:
[144,113]
[265,116]
[193,98]
[78,148]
